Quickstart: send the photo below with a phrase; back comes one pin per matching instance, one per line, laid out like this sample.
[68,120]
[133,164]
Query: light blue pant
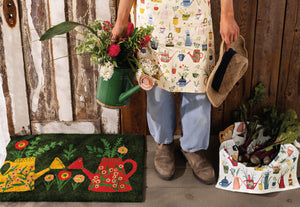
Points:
[195,118]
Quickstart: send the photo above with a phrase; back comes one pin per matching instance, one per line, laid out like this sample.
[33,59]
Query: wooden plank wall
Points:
[48,89]
[43,95]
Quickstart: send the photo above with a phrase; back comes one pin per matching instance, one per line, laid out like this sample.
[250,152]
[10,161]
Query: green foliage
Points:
[97,150]
[97,45]
[62,28]
[46,148]
[116,147]
[109,151]
[259,94]
[69,153]
[282,127]
[291,134]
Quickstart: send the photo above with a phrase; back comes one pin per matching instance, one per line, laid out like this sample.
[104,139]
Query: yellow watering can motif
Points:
[21,174]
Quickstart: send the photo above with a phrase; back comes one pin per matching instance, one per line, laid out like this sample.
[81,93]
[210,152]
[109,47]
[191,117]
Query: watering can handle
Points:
[4,164]
[134,167]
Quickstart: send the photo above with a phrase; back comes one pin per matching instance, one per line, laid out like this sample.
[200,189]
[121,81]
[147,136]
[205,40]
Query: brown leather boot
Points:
[164,161]
[202,168]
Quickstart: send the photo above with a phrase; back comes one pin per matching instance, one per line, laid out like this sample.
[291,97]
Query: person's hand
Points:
[229,29]
[119,32]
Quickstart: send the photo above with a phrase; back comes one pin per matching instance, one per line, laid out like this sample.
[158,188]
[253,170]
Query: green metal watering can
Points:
[115,92]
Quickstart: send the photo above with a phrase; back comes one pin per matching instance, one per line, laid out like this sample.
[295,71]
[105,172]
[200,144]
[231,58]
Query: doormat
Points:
[74,168]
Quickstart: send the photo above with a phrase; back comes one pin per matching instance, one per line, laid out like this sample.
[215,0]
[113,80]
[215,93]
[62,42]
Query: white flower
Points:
[106,71]
[139,73]
[149,67]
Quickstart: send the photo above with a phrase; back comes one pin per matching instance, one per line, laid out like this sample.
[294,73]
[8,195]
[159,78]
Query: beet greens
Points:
[277,128]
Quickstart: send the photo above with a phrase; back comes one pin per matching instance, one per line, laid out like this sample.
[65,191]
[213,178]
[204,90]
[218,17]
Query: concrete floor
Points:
[184,190]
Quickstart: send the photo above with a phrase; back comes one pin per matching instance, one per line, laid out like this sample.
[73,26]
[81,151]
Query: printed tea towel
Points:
[4,135]
[182,43]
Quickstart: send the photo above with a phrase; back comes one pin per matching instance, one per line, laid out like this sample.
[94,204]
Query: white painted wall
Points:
[61,63]
[16,75]
[111,117]
[4,134]
[103,10]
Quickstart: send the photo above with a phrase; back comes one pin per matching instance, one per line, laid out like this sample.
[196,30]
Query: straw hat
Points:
[230,68]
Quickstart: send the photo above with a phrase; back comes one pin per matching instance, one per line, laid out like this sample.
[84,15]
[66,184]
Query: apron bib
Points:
[182,42]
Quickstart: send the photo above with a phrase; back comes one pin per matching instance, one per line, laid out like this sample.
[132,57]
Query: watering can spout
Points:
[127,94]
[145,82]
[78,164]
[190,54]
[88,173]
[56,164]
[39,174]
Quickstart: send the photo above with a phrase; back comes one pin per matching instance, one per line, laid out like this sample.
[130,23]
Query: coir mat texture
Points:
[73,168]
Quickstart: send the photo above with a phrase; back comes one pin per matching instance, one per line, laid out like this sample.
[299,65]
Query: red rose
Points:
[107,26]
[130,29]
[145,41]
[108,23]
[114,50]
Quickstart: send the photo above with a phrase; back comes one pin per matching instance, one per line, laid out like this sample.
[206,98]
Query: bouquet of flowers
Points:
[97,44]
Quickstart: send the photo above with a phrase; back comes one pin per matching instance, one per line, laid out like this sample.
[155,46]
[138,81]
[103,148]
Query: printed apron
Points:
[182,42]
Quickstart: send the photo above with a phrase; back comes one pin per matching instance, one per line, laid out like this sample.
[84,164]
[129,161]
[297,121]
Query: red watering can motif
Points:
[250,184]
[281,182]
[110,175]
[165,57]
[197,55]
[234,162]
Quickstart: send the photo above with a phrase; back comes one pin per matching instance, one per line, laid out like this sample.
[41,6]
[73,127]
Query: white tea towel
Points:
[4,134]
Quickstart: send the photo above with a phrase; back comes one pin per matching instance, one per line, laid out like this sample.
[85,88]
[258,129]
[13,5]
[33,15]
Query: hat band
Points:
[219,75]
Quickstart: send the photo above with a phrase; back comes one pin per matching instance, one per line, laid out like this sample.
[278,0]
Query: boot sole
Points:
[206,182]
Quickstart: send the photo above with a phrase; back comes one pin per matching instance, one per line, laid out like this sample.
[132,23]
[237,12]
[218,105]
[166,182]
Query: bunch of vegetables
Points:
[265,132]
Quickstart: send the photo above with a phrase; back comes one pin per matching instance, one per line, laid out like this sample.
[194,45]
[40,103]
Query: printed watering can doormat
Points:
[73,167]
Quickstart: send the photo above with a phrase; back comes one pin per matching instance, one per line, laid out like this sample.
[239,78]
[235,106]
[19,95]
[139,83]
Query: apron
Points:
[182,42]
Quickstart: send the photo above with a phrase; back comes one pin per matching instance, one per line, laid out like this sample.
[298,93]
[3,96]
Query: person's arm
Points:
[229,29]
[121,25]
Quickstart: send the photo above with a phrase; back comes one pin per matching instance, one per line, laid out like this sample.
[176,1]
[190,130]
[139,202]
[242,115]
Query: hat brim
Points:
[235,70]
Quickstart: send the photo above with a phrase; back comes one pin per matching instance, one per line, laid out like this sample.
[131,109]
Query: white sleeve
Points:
[4,134]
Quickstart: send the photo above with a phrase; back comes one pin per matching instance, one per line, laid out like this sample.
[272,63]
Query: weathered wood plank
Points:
[244,11]
[216,113]
[4,83]
[133,117]
[199,196]
[61,63]
[289,81]
[72,127]
[110,118]
[113,10]
[84,76]
[38,61]
[268,42]
[12,71]
[177,98]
